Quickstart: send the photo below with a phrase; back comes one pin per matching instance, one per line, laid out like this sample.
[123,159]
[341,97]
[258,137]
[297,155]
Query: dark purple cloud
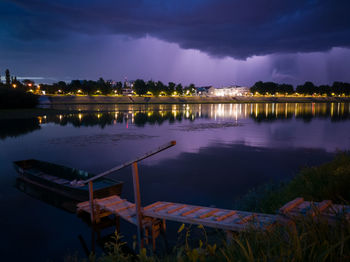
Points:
[239,29]
[201,41]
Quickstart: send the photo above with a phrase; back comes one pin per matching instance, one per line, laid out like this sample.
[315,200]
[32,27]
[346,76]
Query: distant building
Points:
[129,84]
[203,90]
[127,91]
[229,91]
[111,82]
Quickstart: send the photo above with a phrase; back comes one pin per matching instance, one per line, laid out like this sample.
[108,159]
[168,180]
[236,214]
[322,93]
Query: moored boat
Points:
[65,180]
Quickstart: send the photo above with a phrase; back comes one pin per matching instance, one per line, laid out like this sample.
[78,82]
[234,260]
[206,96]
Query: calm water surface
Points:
[222,151]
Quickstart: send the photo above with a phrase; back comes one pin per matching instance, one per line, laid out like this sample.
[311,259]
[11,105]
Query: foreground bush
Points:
[329,181]
[15,98]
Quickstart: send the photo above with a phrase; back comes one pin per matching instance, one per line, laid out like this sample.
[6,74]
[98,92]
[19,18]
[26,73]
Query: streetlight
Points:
[14,85]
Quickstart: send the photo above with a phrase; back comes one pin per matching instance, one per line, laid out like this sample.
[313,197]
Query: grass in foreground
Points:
[308,241]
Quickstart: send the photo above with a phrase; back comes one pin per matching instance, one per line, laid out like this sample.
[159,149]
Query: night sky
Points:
[207,42]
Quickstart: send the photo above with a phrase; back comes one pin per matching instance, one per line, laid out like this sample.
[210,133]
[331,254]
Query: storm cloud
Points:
[238,29]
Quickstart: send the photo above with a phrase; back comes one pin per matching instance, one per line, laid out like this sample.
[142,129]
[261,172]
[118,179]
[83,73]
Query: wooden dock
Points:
[155,215]
[150,220]
[225,219]
[324,210]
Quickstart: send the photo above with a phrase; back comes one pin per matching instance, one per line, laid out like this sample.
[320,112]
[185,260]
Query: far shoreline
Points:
[61,100]
[47,107]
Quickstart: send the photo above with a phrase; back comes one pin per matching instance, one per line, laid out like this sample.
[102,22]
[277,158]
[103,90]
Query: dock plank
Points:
[291,205]
[229,220]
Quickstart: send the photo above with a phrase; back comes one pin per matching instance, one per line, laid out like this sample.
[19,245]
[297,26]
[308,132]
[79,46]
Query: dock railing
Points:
[136,184]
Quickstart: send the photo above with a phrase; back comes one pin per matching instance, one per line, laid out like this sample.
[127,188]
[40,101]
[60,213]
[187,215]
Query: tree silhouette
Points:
[7,77]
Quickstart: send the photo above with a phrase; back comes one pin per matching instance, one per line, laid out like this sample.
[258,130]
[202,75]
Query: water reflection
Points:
[107,225]
[157,114]
[45,195]
[140,115]
[18,127]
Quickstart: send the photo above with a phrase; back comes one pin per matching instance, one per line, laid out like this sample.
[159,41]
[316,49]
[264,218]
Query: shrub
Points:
[329,181]
[15,98]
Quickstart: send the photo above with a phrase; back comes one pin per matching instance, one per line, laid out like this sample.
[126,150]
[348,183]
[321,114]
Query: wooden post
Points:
[135,175]
[91,199]
[229,237]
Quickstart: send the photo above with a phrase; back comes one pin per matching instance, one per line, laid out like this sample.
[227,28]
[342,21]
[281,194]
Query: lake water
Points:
[222,151]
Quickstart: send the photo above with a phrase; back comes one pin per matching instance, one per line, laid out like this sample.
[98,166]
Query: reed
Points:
[307,240]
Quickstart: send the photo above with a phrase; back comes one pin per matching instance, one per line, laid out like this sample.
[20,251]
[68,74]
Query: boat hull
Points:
[79,194]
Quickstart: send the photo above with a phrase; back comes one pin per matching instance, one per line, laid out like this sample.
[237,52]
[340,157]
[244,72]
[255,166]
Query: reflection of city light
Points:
[60,117]
[285,110]
[80,116]
[236,113]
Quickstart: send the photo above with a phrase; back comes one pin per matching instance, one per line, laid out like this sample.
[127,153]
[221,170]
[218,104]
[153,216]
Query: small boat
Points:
[65,181]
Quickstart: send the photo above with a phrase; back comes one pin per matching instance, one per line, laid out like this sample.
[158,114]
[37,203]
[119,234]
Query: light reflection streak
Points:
[235,112]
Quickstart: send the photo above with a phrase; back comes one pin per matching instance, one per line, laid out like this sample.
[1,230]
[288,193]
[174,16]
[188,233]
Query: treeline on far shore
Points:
[15,98]
[308,88]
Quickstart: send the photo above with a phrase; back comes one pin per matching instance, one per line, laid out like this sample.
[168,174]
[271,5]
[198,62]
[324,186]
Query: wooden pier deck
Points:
[325,210]
[225,219]
[152,218]
[231,220]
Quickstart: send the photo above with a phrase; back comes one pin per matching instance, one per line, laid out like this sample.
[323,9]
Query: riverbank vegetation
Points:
[102,87]
[330,181]
[307,239]
[17,98]
[307,89]
[140,87]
